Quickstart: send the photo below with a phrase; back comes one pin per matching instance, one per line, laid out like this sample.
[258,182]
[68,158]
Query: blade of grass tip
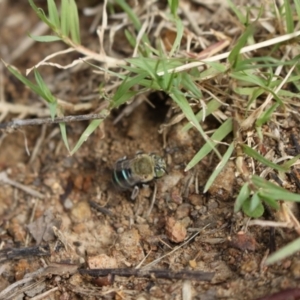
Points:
[289,20]
[211,106]
[53,109]
[237,12]
[24,80]
[242,197]
[179,35]
[40,13]
[53,13]
[63,131]
[65,18]
[218,135]
[133,17]
[284,252]
[88,131]
[252,153]
[74,22]
[173,4]
[219,167]
[271,190]
[290,162]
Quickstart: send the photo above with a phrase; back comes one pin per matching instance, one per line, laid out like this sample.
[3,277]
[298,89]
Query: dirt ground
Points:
[60,213]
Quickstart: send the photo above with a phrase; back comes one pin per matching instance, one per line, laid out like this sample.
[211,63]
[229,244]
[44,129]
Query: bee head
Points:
[160,167]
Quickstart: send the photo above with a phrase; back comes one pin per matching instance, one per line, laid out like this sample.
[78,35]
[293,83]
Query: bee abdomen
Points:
[122,178]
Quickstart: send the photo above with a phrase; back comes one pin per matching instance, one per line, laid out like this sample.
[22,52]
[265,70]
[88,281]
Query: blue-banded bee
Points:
[143,168]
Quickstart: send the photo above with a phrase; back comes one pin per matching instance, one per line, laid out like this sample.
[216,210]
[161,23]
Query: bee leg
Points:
[135,192]
[121,159]
[139,152]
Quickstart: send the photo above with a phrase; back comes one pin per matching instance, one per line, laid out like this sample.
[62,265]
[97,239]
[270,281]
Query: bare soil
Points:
[71,216]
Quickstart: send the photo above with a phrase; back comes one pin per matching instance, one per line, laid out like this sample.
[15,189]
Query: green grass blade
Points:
[219,135]
[65,17]
[74,22]
[130,38]
[179,35]
[290,162]
[237,12]
[52,108]
[63,132]
[133,17]
[289,21]
[258,212]
[211,106]
[40,13]
[47,95]
[271,190]
[255,201]
[53,13]
[45,38]
[284,252]
[297,5]
[88,131]
[181,101]
[123,92]
[189,84]
[219,167]
[269,201]
[252,153]
[235,52]
[24,80]
[266,115]
[242,197]
[173,4]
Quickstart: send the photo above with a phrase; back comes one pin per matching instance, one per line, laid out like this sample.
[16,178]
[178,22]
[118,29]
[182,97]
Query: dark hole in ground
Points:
[157,114]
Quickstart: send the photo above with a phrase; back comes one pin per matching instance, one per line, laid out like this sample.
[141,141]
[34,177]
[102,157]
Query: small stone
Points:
[243,241]
[68,204]
[183,211]
[81,212]
[102,261]
[175,230]
[195,200]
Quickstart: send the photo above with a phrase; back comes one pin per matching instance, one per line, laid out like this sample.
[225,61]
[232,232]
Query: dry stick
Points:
[218,57]
[10,288]
[166,274]
[43,296]
[40,121]
[26,189]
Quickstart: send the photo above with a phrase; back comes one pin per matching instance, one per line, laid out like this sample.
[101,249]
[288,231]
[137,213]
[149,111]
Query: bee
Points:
[143,168]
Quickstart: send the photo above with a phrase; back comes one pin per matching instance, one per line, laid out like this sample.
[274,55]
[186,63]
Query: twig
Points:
[40,121]
[4,293]
[166,274]
[174,250]
[15,253]
[26,189]
[43,296]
